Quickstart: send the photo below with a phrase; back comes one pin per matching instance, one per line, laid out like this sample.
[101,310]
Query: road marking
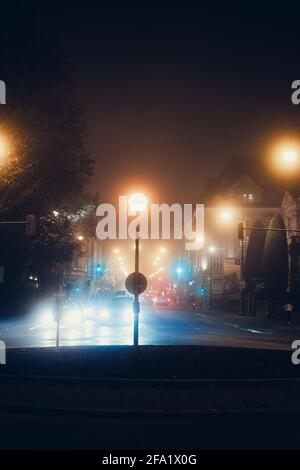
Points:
[250,330]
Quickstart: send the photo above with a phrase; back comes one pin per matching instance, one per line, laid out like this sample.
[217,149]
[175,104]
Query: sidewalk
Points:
[251,322]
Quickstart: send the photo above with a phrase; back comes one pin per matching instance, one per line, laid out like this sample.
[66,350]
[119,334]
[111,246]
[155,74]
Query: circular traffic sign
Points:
[136,283]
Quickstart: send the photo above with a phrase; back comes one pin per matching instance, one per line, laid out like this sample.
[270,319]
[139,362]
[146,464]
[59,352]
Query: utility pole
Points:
[136,303]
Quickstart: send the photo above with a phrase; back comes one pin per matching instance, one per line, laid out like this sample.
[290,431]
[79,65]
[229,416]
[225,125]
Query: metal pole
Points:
[242,266]
[210,282]
[136,303]
[57,333]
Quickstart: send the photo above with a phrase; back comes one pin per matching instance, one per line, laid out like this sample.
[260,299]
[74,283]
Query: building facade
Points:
[239,193]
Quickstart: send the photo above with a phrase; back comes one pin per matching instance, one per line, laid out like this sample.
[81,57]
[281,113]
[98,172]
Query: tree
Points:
[253,268]
[54,245]
[48,165]
[275,261]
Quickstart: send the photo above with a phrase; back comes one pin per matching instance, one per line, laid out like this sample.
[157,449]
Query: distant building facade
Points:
[239,193]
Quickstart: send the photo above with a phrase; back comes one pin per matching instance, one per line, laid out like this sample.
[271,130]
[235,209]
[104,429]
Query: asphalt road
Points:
[157,327]
[41,415]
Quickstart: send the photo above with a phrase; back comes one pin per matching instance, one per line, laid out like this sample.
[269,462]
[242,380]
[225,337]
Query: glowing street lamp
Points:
[226,215]
[289,157]
[212,249]
[137,202]
[4,150]
[285,156]
[80,238]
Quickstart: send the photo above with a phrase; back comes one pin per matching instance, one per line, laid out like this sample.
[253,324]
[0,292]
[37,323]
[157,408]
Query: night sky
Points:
[171,93]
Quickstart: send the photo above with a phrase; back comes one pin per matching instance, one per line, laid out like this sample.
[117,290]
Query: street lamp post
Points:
[211,250]
[136,303]
[138,203]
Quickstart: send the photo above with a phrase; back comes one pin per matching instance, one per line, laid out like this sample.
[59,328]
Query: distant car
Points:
[146,300]
[162,301]
[118,310]
[71,314]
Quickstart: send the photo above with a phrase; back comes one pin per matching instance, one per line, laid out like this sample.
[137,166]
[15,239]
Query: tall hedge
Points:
[275,259]
[253,268]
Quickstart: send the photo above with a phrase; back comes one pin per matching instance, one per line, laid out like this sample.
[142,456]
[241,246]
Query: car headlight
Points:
[71,317]
[104,314]
[47,318]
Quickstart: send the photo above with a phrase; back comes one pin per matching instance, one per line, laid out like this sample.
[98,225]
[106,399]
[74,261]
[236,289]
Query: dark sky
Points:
[171,93]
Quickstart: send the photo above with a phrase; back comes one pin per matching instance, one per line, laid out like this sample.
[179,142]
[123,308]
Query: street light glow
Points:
[289,156]
[137,202]
[226,215]
[285,157]
[3,149]
[212,249]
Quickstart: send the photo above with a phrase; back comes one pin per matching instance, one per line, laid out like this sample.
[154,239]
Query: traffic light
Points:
[240,230]
[202,291]
[30,224]
[99,268]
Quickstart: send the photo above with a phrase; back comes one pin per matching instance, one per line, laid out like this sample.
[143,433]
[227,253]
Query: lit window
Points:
[247,197]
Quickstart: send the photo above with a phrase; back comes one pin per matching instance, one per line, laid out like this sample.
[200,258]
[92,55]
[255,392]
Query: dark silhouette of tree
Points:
[48,165]
[253,268]
[275,261]
[48,162]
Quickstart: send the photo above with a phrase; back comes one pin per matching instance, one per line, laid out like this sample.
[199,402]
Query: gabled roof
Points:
[272,189]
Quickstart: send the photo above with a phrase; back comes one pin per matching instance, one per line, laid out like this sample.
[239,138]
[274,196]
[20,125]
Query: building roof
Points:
[272,189]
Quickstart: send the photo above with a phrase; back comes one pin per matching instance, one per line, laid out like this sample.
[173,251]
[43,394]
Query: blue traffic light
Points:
[99,268]
[202,291]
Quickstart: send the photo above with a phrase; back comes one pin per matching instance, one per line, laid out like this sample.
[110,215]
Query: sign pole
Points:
[58,315]
[57,333]
[136,303]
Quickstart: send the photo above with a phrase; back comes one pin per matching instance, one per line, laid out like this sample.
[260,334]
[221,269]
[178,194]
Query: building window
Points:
[247,197]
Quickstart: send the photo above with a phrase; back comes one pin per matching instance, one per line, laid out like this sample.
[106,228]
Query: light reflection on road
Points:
[157,326]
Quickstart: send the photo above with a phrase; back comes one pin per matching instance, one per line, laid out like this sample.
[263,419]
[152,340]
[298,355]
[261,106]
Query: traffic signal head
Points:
[202,291]
[30,224]
[240,230]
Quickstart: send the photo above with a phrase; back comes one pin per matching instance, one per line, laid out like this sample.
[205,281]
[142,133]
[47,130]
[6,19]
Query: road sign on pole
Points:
[136,283]
[57,314]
